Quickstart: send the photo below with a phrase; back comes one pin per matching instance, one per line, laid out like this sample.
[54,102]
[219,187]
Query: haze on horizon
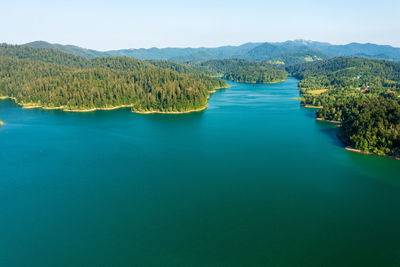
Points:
[105,25]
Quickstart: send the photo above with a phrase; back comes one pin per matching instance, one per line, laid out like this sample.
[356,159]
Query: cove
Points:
[254,180]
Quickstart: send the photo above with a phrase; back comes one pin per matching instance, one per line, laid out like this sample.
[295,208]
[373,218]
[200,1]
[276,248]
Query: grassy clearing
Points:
[317,92]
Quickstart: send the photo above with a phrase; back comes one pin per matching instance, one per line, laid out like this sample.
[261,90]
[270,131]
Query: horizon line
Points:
[199,47]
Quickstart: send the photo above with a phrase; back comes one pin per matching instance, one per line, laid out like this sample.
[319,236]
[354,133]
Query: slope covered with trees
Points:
[240,70]
[362,94]
[372,125]
[52,79]
[263,73]
[289,52]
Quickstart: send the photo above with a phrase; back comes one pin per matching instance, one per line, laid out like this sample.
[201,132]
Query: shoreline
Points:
[348,148]
[281,81]
[352,149]
[93,109]
[65,109]
[169,112]
[335,122]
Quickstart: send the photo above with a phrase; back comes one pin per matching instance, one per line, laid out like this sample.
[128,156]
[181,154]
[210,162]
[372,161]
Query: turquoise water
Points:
[252,181]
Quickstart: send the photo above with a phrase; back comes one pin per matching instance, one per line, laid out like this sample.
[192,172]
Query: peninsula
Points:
[52,79]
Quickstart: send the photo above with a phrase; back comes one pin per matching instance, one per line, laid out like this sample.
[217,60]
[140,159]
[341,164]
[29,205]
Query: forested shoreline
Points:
[52,79]
[361,94]
[36,77]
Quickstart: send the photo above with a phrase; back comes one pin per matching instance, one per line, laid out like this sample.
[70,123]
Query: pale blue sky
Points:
[117,24]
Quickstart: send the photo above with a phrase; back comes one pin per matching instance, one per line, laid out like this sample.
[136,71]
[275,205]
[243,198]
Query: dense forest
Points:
[49,78]
[257,74]
[362,94]
[370,124]
[178,67]
[240,70]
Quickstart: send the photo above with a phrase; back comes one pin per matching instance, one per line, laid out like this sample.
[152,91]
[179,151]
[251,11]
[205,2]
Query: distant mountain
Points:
[289,52]
[284,53]
[357,48]
[153,53]
[185,54]
[76,50]
[267,50]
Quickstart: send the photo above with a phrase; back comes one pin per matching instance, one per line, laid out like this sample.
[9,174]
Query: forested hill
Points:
[178,67]
[348,73]
[48,78]
[73,49]
[240,70]
[362,94]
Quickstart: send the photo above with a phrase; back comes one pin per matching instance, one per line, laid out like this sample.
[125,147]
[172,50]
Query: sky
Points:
[118,24]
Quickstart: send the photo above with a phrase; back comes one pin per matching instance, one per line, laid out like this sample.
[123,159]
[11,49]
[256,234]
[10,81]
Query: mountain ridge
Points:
[263,51]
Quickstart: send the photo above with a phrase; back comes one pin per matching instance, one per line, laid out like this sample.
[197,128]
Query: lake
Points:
[254,180]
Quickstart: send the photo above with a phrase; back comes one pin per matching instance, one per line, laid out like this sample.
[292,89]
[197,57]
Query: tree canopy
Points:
[51,78]
[363,94]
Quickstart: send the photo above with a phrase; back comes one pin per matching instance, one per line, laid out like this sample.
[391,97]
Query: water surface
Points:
[252,181]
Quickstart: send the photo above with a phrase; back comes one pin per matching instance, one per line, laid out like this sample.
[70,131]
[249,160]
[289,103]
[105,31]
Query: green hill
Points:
[362,94]
[76,50]
[48,78]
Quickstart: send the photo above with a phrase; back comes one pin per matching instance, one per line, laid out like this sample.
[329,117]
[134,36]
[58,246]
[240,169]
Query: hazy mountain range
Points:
[288,52]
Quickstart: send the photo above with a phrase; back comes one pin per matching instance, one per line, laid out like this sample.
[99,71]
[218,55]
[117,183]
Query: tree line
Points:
[241,70]
[363,94]
[51,78]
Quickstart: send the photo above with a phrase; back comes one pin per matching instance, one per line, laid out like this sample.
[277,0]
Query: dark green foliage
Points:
[361,93]
[178,67]
[257,74]
[51,78]
[371,124]
[222,66]
[345,77]
[42,54]
[240,70]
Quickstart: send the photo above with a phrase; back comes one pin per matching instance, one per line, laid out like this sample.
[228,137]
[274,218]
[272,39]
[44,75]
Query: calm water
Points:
[253,180]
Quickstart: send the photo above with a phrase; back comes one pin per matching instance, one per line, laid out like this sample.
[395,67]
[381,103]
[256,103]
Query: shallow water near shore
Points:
[254,180]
